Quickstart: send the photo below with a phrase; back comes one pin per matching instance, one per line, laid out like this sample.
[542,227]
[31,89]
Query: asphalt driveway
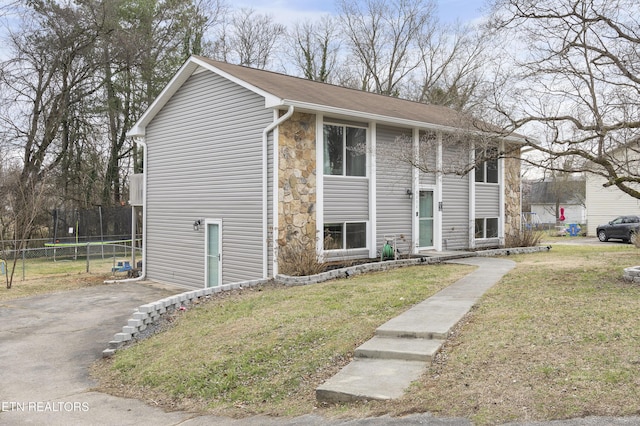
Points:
[48,343]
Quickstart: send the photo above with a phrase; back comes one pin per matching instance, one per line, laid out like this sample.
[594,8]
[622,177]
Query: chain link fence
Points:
[112,259]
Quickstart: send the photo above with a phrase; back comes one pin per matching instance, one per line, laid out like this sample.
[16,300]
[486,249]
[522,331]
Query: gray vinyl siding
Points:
[393,178]
[487,200]
[427,178]
[346,199]
[455,202]
[428,154]
[205,162]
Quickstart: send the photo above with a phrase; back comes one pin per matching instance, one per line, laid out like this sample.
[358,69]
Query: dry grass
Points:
[47,276]
[557,338]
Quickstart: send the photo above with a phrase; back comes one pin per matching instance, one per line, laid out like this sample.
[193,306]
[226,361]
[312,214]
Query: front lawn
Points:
[558,337]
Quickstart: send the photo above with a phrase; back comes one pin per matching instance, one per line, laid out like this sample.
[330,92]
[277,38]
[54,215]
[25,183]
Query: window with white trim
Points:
[347,235]
[487,227]
[345,151]
[487,165]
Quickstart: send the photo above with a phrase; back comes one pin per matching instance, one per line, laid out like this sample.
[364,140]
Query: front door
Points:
[212,255]
[425,219]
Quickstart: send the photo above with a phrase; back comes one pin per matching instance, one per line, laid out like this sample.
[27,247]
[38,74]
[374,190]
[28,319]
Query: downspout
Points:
[143,273]
[502,197]
[265,189]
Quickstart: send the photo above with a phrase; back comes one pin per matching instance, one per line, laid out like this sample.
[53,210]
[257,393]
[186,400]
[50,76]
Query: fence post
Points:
[23,264]
[88,245]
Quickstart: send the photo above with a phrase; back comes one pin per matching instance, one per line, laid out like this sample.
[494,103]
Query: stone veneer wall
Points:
[512,199]
[297,180]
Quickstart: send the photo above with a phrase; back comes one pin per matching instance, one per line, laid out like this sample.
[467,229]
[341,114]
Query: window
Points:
[345,150]
[338,236]
[487,170]
[487,227]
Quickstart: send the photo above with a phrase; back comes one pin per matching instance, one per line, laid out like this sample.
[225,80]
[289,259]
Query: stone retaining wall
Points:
[515,250]
[149,314]
[632,274]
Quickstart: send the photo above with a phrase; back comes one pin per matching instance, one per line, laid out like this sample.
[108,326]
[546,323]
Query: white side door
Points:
[213,253]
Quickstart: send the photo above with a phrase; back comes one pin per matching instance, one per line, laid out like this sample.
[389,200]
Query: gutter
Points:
[265,189]
[392,120]
[143,273]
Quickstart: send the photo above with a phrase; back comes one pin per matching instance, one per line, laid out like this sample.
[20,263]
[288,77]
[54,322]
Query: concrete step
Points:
[370,379]
[399,348]
[431,319]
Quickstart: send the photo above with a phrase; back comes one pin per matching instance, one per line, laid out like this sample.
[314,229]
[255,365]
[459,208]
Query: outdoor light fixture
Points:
[410,193]
[196,224]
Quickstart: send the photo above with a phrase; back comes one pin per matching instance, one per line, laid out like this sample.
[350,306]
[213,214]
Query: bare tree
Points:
[249,39]
[49,76]
[574,78]
[453,58]
[25,201]
[383,36]
[314,48]
[203,18]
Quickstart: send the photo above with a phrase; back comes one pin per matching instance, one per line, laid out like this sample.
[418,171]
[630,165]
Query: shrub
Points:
[525,238]
[299,259]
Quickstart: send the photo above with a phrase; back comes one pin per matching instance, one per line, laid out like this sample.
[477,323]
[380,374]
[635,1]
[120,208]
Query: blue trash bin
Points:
[574,229]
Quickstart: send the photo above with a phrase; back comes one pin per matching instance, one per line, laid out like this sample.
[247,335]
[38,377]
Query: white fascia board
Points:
[269,98]
[275,102]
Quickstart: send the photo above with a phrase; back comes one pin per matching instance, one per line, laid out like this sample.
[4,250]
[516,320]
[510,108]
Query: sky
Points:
[285,11]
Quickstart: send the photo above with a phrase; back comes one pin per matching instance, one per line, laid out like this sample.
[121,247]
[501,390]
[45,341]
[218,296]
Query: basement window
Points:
[486,228]
[349,235]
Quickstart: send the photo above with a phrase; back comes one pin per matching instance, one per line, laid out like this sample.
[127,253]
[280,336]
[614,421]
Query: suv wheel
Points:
[602,236]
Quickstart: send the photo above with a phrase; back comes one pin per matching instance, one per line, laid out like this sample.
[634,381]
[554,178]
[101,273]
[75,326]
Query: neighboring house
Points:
[240,162]
[548,199]
[605,204]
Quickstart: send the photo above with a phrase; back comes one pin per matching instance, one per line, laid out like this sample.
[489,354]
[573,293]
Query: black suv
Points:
[621,228]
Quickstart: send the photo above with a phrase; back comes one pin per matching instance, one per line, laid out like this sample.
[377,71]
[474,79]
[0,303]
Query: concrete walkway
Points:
[402,348]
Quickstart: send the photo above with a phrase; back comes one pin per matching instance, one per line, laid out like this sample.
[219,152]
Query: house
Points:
[558,200]
[241,162]
[606,203]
